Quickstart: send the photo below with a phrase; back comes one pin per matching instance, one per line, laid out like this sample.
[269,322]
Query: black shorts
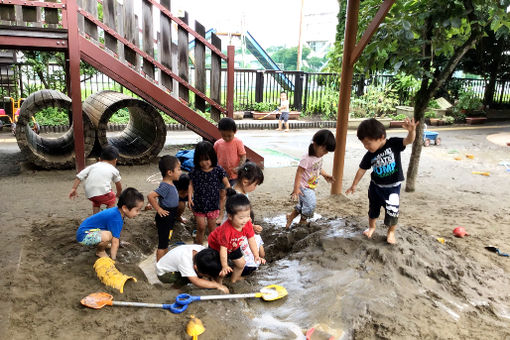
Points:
[164,225]
[248,270]
[183,199]
[388,198]
[236,254]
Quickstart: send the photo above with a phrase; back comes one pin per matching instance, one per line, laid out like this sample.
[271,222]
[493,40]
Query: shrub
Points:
[377,102]
[264,107]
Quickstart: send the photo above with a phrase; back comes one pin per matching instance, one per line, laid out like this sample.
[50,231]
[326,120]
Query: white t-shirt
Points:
[98,178]
[248,255]
[284,105]
[179,259]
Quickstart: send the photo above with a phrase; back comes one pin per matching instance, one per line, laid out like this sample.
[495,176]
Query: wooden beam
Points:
[230,81]
[374,25]
[351,28]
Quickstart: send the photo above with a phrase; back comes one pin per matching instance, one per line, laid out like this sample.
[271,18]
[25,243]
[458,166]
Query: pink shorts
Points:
[108,199]
[210,214]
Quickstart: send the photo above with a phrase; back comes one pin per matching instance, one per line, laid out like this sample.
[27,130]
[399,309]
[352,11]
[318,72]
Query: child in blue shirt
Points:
[383,157]
[167,201]
[104,227]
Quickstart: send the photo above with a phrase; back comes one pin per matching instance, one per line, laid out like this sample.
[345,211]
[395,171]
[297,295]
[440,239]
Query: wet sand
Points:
[337,278]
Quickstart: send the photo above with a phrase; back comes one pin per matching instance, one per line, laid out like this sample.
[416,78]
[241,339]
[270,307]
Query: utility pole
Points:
[300,43]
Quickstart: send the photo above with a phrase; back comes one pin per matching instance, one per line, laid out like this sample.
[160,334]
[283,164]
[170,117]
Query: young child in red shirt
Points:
[231,154]
[228,237]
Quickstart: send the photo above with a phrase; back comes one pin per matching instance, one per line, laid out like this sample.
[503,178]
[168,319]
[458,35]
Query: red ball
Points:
[460,232]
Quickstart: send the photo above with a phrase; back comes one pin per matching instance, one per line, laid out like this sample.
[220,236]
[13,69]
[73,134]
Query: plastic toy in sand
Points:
[195,327]
[483,173]
[460,232]
[109,275]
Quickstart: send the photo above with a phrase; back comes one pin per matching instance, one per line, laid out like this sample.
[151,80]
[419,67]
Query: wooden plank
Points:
[165,51]
[200,77]
[215,77]
[51,16]
[148,38]
[119,13]
[130,32]
[29,14]
[81,20]
[89,27]
[182,58]
[109,18]
[7,13]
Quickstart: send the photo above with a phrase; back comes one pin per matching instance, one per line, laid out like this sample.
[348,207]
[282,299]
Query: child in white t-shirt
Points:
[191,263]
[284,112]
[98,178]
[251,265]
[307,176]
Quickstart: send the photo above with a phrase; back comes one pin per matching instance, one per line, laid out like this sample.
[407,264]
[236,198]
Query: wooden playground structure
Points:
[122,45]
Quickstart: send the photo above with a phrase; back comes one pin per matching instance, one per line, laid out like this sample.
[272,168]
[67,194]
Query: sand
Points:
[336,278]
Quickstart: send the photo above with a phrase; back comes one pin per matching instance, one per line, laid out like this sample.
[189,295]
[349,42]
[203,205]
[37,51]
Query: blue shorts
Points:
[284,116]
[92,238]
[388,198]
[307,202]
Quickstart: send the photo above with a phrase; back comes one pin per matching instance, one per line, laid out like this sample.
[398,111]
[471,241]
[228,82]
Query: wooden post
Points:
[109,18]
[148,39]
[130,33]
[165,52]
[200,75]
[215,84]
[75,89]
[230,80]
[91,28]
[351,28]
[183,53]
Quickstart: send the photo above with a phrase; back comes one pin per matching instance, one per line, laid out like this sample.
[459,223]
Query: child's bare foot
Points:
[289,221]
[278,129]
[123,244]
[368,232]
[182,220]
[286,130]
[391,237]
[101,253]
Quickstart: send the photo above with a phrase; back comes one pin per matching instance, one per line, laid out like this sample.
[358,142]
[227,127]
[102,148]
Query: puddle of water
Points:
[454,315]
[337,229]
[281,220]
[276,159]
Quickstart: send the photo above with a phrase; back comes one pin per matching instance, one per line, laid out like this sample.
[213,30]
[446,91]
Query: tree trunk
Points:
[488,96]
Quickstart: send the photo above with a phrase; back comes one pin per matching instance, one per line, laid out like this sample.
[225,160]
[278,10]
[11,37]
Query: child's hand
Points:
[328,178]
[223,288]
[162,212]
[409,124]
[257,228]
[259,260]
[190,203]
[225,271]
[73,194]
[351,190]
[295,194]
[148,207]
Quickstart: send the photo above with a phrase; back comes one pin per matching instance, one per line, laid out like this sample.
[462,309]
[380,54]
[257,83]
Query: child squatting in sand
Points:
[383,157]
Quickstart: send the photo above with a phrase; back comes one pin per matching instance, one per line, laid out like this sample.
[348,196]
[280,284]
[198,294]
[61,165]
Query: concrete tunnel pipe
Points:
[48,152]
[144,135]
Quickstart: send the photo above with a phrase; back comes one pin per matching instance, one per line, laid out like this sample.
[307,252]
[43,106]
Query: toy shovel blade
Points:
[97,300]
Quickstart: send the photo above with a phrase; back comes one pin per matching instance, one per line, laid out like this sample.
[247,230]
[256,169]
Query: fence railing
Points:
[311,91]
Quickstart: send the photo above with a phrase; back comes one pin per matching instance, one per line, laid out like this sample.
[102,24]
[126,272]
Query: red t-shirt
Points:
[227,236]
[229,155]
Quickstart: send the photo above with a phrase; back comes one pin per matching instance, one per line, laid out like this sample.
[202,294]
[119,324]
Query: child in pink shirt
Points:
[231,154]
[307,176]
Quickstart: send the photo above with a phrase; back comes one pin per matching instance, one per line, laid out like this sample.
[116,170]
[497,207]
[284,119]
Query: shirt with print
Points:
[312,169]
[229,155]
[179,259]
[248,255]
[108,219]
[227,236]
[206,188]
[385,162]
[168,195]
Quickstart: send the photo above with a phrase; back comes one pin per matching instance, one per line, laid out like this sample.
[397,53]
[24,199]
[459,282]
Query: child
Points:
[383,157]
[307,176]
[167,201]
[204,186]
[231,153]
[227,238]
[251,265]
[98,178]
[284,109]
[182,188]
[104,228]
[191,263]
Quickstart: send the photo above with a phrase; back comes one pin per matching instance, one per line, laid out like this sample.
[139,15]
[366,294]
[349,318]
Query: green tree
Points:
[426,39]
[288,57]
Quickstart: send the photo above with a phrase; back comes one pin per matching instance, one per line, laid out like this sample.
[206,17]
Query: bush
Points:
[377,102]
[469,104]
[52,116]
[326,105]
[430,114]
[405,86]
[264,107]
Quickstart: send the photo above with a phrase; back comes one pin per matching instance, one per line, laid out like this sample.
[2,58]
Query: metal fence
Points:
[307,91]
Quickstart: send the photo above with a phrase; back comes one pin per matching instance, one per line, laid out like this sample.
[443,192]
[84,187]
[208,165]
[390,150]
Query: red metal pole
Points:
[351,28]
[75,90]
[230,81]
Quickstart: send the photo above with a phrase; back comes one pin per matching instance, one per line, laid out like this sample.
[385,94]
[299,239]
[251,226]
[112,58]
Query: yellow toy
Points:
[109,275]
[195,327]
[481,173]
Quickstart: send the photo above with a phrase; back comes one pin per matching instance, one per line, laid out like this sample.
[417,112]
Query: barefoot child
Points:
[231,154]
[227,238]
[204,188]
[191,263]
[383,157]
[98,178]
[284,109]
[104,227]
[167,201]
[307,176]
